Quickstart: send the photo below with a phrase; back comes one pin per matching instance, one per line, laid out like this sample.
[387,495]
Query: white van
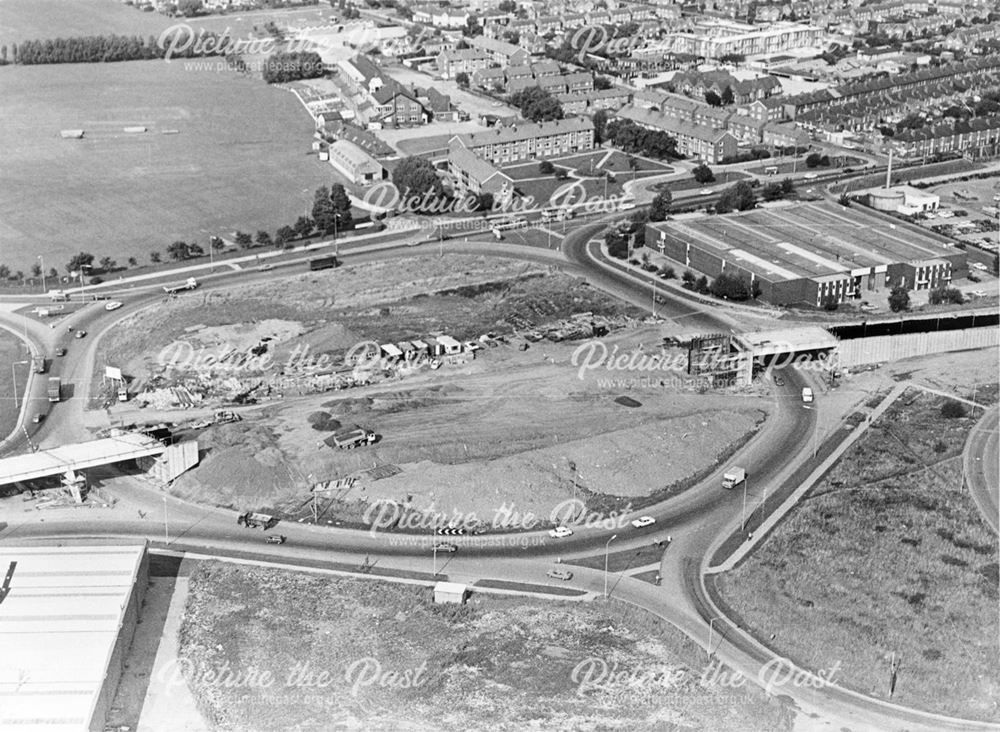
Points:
[807,394]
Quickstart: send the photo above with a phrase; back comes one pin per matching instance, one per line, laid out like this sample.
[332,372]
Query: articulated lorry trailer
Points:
[189,284]
[260,521]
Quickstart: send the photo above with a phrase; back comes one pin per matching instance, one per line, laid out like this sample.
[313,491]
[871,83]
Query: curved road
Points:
[695,519]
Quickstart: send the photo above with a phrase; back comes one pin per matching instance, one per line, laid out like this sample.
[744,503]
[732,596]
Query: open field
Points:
[503,663]
[240,159]
[39,19]
[26,20]
[887,555]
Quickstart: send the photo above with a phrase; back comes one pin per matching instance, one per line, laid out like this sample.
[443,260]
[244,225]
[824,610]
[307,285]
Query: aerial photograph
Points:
[474,365]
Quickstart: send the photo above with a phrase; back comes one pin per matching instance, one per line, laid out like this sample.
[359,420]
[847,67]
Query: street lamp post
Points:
[435,566]
[607,548]
[743,523]
[42,265]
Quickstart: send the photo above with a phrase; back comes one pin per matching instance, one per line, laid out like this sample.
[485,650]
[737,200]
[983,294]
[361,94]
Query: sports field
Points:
[25,20]
[240,158]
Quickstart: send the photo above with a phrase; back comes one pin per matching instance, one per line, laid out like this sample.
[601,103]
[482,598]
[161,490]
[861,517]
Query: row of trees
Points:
[282,67]
[93,49]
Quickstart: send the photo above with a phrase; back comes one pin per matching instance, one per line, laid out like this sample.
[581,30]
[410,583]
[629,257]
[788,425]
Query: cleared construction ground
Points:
[513,424]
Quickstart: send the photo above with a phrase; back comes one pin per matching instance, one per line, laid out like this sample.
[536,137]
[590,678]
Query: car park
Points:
[560,574]
[560,532]
[113,305]
[643,521]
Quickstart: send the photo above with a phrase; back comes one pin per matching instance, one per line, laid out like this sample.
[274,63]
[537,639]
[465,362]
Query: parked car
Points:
[643,521]
[278,539]
[113,305]
[560,574]
[445,548]
[60,352]
[80,334]
[560,532]
[37,418]
[707,192]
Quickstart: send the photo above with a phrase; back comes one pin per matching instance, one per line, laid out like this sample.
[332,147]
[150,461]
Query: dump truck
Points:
[733,477]
[55,389]
[352,437]
[323,263]
[38,364]
[251,520]
[189,284]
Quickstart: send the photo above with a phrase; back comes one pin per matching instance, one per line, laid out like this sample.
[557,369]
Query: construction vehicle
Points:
[323,263]
[352,437]
[733,477]
[260,521]
[55,389]
[189,284]
[38,364]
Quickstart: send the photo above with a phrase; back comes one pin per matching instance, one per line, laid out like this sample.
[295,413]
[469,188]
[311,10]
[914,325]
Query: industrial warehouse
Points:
[810,253]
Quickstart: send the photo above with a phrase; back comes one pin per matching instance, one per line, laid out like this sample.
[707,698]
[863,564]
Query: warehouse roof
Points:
[59,623]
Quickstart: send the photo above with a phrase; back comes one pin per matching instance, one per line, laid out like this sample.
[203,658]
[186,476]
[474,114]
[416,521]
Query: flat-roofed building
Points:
[811,253]
[67,617]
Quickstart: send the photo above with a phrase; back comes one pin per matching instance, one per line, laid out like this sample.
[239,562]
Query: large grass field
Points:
[886,558]
[240,159]
[24,20]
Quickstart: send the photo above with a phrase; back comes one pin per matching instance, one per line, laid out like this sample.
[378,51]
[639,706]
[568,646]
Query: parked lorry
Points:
[38,364]
[189,284]
[323,263]
[352,437]
[260,521]
[55,389]
[733,477]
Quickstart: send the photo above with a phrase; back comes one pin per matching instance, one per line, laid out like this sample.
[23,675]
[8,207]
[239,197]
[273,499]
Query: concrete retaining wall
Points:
[882,349]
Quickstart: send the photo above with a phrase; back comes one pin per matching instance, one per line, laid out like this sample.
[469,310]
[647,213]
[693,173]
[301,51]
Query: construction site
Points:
[316,409]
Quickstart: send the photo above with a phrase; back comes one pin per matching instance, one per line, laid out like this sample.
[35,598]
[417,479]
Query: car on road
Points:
[978,293]
[810,176]
[265,267]
[643,521]
[277,539]
[80,334]
[807,395]
[113,305]
[445,547]
[560,532]
[60,352]
[560,574]
[37,418]
[706,192]
[496,104]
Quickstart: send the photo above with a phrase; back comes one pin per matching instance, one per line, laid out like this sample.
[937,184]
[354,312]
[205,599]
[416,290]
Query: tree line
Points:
[90,49]
[282,67]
